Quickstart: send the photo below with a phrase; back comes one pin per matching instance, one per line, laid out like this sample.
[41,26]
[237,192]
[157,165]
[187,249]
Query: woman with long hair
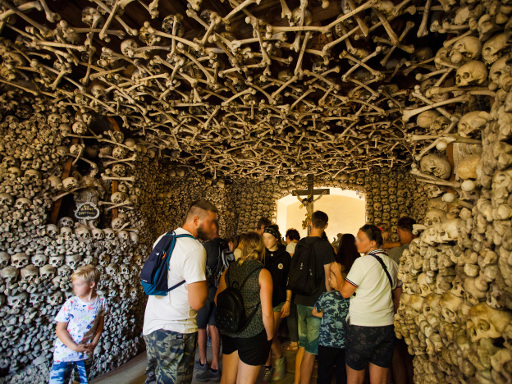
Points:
[347,251]
[245,351]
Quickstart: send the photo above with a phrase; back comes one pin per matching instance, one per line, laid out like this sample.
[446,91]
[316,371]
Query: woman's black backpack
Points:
[230,314]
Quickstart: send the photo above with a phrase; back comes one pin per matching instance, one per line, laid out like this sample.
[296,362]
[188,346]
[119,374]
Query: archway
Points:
[345,208]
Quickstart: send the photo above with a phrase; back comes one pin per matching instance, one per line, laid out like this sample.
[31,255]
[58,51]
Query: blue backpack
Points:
[154,272]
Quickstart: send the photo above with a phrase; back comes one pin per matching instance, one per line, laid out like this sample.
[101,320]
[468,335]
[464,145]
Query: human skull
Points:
[17,301]
[109,234]
[48,272]
[55,298]
[103,259]
[79,127]
[69,183]
[66,232]
[450,305]
[377,206]
[117,223]
[435,165]
[4,259]
[39,259]
[134,237]
[486,322]
[434,216]
[76,149]
[73,260]
[10,274]
[13,173]
[52,230]
[6,199]
[82,233]
[97,234]
[36,299]
[123,235]
[22,203]
[433,190]
[467,48]
[32,175]
[124,269]
[29,273]
[472,123]
[472,73]
[501,74]
[19,260]
[66,222]
[117,197]
[56,261]
[54,120]
[128,47]
[111,269]
[494,46]
[301,19]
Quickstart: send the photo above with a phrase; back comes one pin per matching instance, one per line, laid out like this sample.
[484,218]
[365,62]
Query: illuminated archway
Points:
[346,211]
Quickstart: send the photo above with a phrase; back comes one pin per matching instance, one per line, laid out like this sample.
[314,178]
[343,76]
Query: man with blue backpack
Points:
[175,281]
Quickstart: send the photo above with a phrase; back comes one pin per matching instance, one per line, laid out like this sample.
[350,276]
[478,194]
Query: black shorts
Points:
[252,351]
[206,315]
[369,344]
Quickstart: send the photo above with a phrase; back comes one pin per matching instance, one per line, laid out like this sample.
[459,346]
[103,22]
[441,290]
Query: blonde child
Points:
[79,325]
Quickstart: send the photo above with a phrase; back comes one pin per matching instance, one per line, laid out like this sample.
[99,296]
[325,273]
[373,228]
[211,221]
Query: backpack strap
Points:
[171,249]
[383,267]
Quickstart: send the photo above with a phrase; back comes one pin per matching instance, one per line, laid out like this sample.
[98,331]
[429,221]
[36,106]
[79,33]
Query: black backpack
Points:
[230,313]
[303,276]
[225,259]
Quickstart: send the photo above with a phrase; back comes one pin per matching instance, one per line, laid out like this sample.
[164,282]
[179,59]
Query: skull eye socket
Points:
[483,325]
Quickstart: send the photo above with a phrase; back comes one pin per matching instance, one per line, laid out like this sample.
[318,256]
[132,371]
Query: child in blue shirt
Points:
[332,308]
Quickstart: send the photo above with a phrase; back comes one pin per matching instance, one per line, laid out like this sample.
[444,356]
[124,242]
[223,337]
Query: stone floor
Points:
[133,371]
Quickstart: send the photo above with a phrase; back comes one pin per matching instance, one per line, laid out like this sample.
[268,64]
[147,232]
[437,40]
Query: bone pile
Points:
[455,312]
[232,86]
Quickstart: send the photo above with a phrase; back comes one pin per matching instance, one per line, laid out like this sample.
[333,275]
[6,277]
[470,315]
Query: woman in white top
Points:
[373,289]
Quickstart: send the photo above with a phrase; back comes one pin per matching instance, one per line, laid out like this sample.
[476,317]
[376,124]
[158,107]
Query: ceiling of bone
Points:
[253,88]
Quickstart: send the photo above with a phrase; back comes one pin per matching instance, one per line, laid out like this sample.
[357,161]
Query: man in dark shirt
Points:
[309,325]
[206,315]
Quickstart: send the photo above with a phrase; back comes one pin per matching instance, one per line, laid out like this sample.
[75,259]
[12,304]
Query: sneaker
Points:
[279,369]
[200,367]
[209,375]
[267,378]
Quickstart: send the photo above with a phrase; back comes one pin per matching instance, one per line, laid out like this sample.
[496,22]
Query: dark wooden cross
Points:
[309,200]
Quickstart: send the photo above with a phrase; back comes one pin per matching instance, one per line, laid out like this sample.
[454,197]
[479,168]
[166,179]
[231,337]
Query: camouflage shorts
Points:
[171,356]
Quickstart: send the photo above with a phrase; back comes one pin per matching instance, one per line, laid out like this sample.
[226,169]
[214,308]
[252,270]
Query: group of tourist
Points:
[345,321]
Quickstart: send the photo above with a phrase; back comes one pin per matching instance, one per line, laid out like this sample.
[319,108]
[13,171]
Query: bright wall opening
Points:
[346,211]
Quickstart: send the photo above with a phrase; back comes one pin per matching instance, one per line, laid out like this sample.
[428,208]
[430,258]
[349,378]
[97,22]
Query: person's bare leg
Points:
[298,362]
[306,367]
[378,375]
[247,374]
[354,377]
[398,365]
[230,368]
[276,343]
[215,336]
[201,343]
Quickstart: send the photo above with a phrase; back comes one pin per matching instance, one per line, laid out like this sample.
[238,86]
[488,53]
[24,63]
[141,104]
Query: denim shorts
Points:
[61,371]
[309,329]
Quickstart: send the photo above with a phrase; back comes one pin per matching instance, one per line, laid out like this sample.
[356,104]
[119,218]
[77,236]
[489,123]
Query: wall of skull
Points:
[455,313]
[233,89]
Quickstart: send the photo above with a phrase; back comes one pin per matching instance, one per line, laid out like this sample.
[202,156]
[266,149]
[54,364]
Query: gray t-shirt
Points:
[396,253]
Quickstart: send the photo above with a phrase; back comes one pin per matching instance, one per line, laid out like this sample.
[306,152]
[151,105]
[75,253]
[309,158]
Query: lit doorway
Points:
[346,211]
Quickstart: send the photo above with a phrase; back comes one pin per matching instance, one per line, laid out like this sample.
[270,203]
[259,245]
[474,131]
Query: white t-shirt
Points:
[173,312]
[83,319]
[290,248]
[372,303]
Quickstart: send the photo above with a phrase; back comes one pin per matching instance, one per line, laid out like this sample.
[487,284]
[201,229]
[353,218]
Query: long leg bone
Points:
[408,113]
